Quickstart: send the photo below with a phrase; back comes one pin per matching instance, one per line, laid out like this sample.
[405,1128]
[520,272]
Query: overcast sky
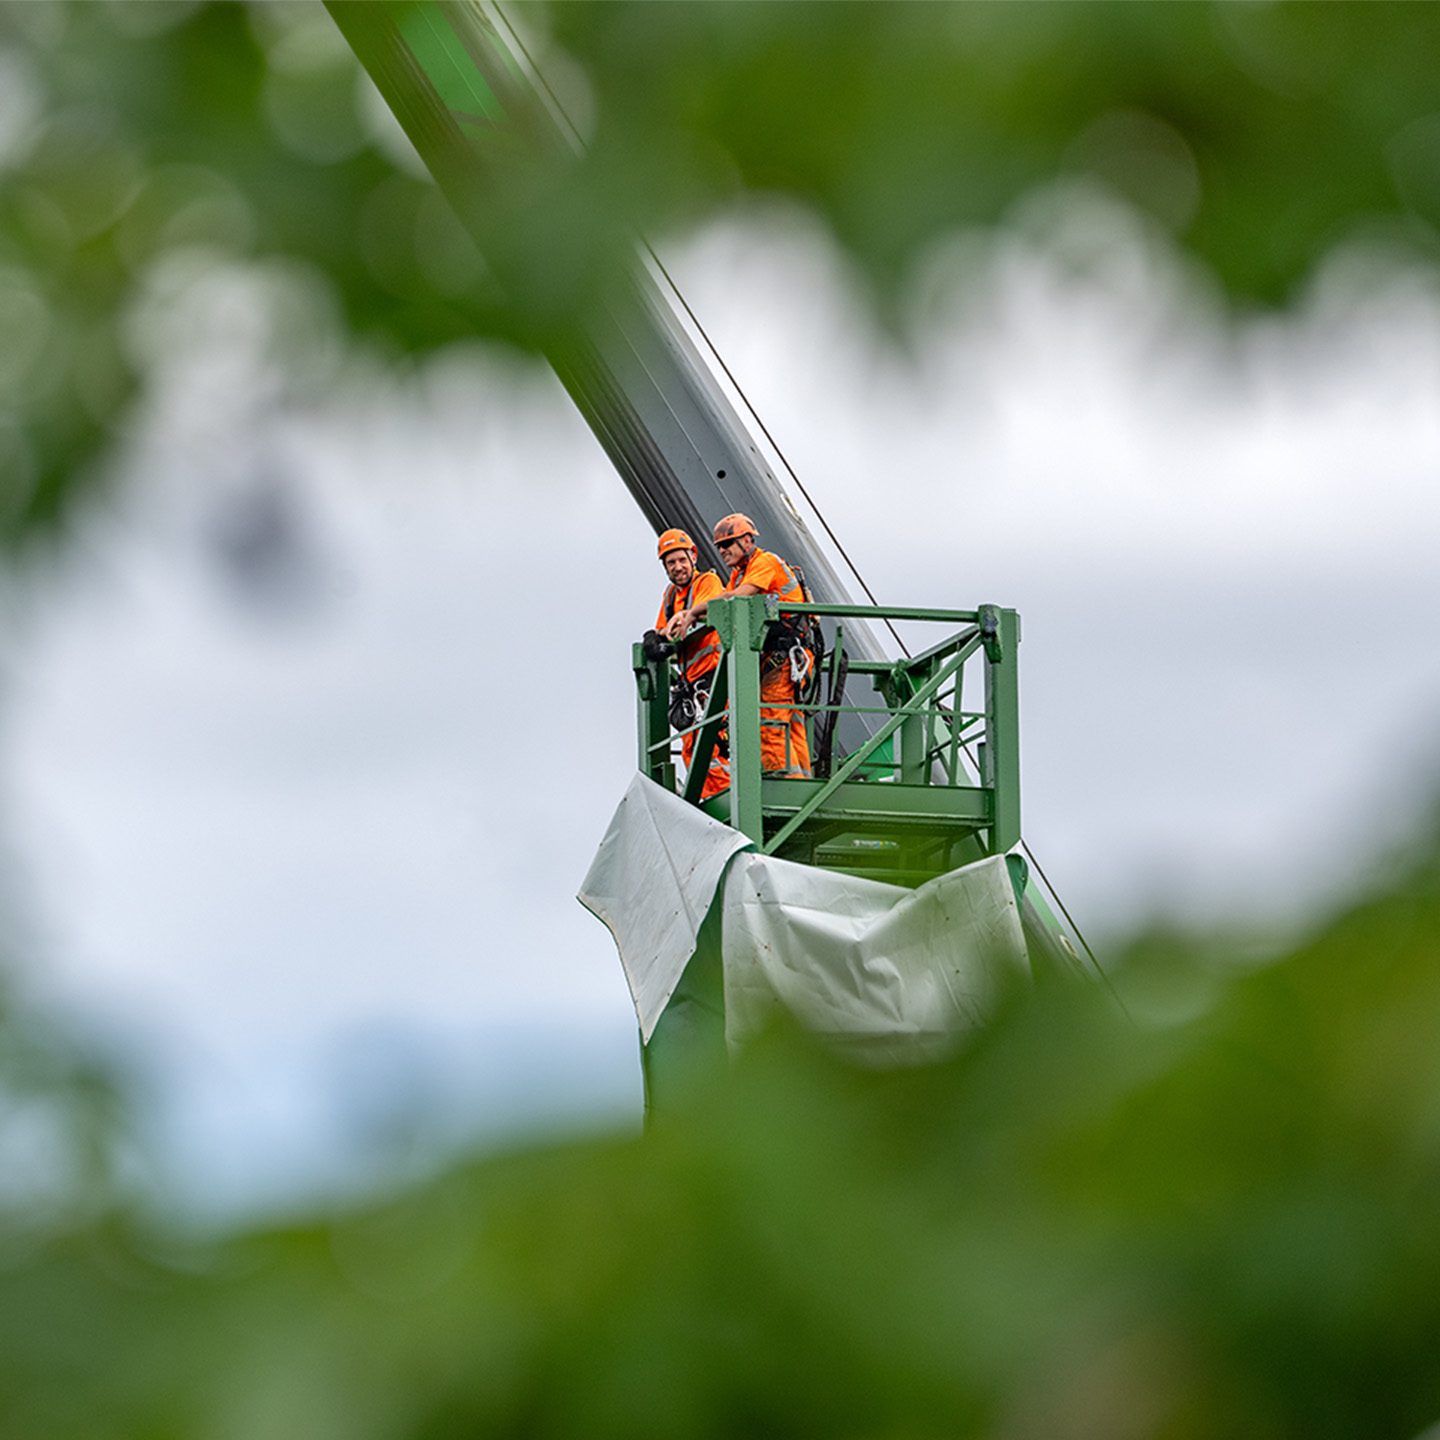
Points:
[310,738]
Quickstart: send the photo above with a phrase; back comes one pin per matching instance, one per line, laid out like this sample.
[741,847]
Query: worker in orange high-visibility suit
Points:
[784,746]
[698,653]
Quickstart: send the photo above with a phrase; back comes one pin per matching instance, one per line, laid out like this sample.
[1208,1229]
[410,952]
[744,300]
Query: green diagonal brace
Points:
[857,758]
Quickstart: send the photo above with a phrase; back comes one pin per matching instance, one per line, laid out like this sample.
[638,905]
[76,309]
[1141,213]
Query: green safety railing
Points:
[919,782]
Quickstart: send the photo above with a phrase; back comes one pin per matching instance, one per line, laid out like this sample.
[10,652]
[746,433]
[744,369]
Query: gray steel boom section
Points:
[669,429]
[676,440]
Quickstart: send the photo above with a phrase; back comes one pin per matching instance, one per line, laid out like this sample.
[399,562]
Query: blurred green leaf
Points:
[1219,1224]
[1257,136]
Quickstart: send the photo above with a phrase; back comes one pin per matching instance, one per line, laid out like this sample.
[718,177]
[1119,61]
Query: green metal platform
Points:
[934,785]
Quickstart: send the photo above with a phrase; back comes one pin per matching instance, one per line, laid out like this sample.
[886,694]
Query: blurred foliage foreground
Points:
[1220,1219]
[145,144]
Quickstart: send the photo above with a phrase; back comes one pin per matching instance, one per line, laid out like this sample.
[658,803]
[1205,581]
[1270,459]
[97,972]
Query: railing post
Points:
[1000,629]
[652,693]
[915,730]
[740,623]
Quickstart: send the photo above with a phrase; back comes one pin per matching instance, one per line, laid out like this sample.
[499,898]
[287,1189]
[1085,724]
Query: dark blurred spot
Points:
[269,557]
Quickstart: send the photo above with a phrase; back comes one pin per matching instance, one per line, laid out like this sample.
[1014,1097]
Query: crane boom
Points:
[462,91]
[462,96]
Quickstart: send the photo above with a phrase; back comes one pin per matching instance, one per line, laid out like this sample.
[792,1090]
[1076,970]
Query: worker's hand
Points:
[678,625]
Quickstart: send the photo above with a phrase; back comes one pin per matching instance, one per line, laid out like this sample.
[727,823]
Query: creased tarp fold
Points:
[652,883]
[853,957]
[895,973]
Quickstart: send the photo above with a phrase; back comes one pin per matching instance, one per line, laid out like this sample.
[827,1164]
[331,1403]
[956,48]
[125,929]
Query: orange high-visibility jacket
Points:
[784,745]
[700,650]
[769,574]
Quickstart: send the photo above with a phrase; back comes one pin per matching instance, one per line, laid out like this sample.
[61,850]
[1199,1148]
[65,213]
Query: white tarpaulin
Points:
[652,882]
[862,959]
[894,971]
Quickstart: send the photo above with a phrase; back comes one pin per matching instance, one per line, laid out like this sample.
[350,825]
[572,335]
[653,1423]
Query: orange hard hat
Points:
[674,540]
[732,526]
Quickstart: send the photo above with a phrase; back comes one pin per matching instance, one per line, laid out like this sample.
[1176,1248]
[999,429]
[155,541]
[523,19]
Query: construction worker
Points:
[697,654]
[785,663]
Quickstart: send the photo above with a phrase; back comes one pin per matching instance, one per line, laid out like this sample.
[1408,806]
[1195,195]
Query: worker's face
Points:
[679,566]
[733,552]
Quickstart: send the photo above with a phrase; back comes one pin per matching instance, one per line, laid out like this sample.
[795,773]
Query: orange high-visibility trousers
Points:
[784,747]
[718,778]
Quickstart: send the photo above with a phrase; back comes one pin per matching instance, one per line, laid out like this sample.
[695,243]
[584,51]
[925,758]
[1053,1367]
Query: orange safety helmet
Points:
[675,540]
[733,526]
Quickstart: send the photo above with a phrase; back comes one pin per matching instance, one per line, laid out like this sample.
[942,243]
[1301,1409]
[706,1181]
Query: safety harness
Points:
[797,639]
[688,697]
